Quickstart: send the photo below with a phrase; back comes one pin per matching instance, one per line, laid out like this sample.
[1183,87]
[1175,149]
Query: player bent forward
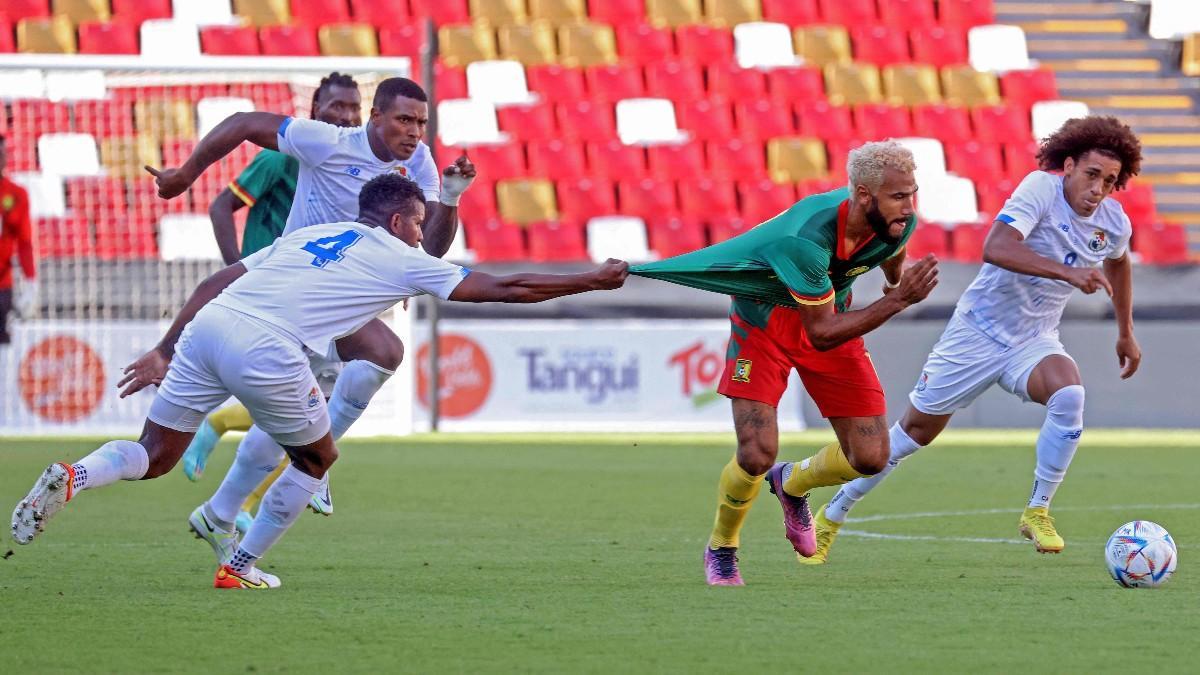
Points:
[1053,233]
[243,333]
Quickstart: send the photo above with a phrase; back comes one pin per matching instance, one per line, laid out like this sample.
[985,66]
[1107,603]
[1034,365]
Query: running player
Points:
[791,278]
[1055,233]
[243,333]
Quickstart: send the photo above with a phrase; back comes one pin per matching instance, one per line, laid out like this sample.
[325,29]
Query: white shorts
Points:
[223,352]
[965,362]
[324,370]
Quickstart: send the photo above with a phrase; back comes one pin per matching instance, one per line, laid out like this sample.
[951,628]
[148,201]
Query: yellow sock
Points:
[735,494]
[255,497]
[231,418]
[828,467]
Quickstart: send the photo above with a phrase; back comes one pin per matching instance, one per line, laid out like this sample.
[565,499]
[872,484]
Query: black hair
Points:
[388,193]
[389,89]
[1105,135]
[334,79]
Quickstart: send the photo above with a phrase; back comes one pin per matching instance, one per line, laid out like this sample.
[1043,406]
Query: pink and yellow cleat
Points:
[255,579]
[721,566]
[797,517]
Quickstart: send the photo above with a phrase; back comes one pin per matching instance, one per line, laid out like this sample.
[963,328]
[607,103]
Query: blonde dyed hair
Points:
[865,164]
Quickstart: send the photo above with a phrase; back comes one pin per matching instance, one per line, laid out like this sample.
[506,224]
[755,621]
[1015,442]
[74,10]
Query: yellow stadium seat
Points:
[499,12]
[264,12]
[729,13]
[674,13]
[465,43]
[526,201]
[912,84]
[533,44]
[823,44]
[586,44]
[1191,54]
[46,36]
[558,11]
[79,11]
[796,158]
[853,83]
[124,156]
[963,85]
[348,39]
[159,118]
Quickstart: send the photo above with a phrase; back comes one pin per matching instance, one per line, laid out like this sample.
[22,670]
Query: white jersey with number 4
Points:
[327,281]
[1012,308]
[335,162]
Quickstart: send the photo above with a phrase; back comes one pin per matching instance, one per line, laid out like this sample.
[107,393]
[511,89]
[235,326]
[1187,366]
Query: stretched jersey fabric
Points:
[795,258]
[335,162]
[1012,308]
[327,281]
[267,186]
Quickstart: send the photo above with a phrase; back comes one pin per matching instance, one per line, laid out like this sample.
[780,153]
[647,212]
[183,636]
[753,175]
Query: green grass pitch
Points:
[573,554]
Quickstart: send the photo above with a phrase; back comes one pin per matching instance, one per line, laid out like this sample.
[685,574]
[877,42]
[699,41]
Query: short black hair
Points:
[389,193]
[1105,135]
[334,79]
[389,89]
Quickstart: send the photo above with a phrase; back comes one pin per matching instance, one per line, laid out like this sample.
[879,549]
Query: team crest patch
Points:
[857,271]
[402,170]
[923,381]
[7,203]
[741,370]
[314,397]
[1098,242]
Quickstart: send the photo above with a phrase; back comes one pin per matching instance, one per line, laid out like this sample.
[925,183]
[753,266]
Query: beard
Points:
[879,224]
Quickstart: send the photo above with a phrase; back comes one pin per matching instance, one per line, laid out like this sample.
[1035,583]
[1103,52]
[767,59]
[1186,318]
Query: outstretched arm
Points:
[1119,273]
[259,128]
[441,217]
[1005,247]
[524,288]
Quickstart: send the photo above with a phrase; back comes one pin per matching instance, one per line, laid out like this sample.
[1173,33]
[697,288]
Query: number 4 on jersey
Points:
[330,249]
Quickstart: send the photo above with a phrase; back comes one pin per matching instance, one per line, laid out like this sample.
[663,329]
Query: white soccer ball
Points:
[1141,554]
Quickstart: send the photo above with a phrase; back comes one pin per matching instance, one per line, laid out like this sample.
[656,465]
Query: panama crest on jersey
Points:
[1098,242]
[402,170]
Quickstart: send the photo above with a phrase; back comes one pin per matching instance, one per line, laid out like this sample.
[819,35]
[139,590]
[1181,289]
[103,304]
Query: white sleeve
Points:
[434,276]
[1122,245]
[255,259]
[422,170]
[309,141]
[1030,202]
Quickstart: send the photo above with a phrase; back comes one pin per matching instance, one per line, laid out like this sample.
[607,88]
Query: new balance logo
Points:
[1072,435]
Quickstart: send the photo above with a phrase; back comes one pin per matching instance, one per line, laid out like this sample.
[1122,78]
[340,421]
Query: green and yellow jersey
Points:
[267,185]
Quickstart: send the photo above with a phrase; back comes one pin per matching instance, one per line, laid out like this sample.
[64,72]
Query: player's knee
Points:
[159,465]
[1065,407]
[756,454]
[386,352]
[868,458]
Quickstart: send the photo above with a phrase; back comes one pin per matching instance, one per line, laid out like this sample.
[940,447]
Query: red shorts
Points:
[841,381]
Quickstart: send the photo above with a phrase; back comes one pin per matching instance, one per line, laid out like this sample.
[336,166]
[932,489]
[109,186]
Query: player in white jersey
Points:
[335,162]
[243,332]
[1054,235]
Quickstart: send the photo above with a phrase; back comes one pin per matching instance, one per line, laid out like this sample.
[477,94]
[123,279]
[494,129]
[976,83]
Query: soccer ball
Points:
[1141,554]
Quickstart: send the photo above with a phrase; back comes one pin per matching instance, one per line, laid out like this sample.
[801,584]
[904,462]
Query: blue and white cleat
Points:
[196,456]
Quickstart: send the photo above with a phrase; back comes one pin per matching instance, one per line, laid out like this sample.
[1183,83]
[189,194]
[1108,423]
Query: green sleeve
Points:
[803,267]
[267,168]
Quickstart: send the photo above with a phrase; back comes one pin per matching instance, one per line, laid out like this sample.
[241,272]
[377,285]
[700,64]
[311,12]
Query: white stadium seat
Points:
[764,44]
[1048,116]
[929,156]
[647,121]
[68,154]
[463,121]
[1174,19]
[21,83]
[998,48]
[211,111]
[498,82]
[75,85]
[947,199]
[46,197]
[187,236]
[203,12]
[169,39]
[621,237]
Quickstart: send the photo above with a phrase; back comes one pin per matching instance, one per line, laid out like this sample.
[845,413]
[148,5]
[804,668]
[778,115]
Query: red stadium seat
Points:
[1000,124]
[494,240]
[706,119]
[939,45]
[907,14]
[877,121]
[126,238]
[881,45]
[702,199]
[451,81]
[320,12]
[764,119]
[69,237]
[675,79]
[615,81]
[381,13]
[175,151]
[556,158]
[15,10]
[1026,87]
[442,11]
[791,12]
[701,43]
[947,123]
[555,241]
[927,238]
[1137,199]
[728,227]
[616,161]
[479,203]
[617,12]
[528,122]
[289,41]
[34,117]
[556,83]
[672,162]
[586,121]
[104,118]
[764,199]
[110,37]
[966,241]
[1020,158]
[849,12]
[229,40]
[981,162]
[401,40]
[499,161]
[730,81]
[825,121]
[643,43]
[1162,244]
[7,44]
[582,198]
[837,150]
[966,13]
[796,83]
[735,159]
[136,11]
[816,186]
[991,196]
[96,195]
[647,198]
[674,236]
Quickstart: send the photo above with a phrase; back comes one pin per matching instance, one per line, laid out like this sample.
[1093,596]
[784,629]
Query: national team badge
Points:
[741,370]
[402,170]
[314,397]
[1098,242]
[7,203]
[857,271]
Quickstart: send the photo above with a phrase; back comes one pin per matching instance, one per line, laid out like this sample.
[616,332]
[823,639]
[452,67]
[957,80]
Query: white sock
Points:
[111,462]
[281,505]
[1057,442]
[357,383]
[901,446]
[257,456]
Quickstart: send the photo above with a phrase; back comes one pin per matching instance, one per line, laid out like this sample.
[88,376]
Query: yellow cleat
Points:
[827,531]
[1037,526]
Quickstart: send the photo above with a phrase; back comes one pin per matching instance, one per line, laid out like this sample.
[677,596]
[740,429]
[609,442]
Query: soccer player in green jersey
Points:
[790,279]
